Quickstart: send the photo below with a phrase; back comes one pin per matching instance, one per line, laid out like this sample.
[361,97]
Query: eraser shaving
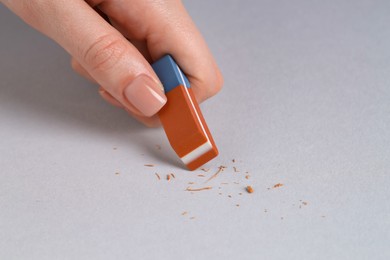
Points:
[181,117]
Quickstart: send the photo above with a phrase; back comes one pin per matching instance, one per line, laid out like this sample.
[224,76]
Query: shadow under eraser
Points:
[181,117]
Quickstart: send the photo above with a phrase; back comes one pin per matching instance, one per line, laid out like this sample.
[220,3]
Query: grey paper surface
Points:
[305,104]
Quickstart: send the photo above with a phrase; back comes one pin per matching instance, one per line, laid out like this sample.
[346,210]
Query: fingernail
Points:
[146,95]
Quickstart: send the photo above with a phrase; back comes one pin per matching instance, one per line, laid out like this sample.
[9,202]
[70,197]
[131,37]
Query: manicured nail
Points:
[146,95]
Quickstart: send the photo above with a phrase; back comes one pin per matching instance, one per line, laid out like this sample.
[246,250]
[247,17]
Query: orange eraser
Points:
[181,117]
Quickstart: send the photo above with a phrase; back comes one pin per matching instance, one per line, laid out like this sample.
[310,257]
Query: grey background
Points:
[305,104]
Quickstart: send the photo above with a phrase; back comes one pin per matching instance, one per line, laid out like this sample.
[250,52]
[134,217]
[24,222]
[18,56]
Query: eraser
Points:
[181,117]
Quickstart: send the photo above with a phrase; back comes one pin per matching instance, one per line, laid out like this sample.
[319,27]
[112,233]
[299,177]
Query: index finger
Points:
[168,29]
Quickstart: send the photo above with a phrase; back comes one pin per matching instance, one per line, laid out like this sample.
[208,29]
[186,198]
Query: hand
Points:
[117,54]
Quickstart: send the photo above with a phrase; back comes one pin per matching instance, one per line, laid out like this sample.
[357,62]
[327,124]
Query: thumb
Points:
[105,54]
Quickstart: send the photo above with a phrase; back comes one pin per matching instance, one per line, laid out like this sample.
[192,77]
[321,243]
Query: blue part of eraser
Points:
[169,73]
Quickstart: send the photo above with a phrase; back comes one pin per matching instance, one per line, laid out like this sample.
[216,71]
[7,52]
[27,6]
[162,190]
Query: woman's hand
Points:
[117,54]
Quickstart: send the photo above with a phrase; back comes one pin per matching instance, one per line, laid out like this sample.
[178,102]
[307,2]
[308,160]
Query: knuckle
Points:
[105,52]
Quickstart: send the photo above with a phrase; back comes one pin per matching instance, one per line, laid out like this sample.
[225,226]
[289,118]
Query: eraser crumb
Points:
[249,189]
[199,189]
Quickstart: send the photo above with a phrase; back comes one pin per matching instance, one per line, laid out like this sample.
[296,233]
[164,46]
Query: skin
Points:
[112,42]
